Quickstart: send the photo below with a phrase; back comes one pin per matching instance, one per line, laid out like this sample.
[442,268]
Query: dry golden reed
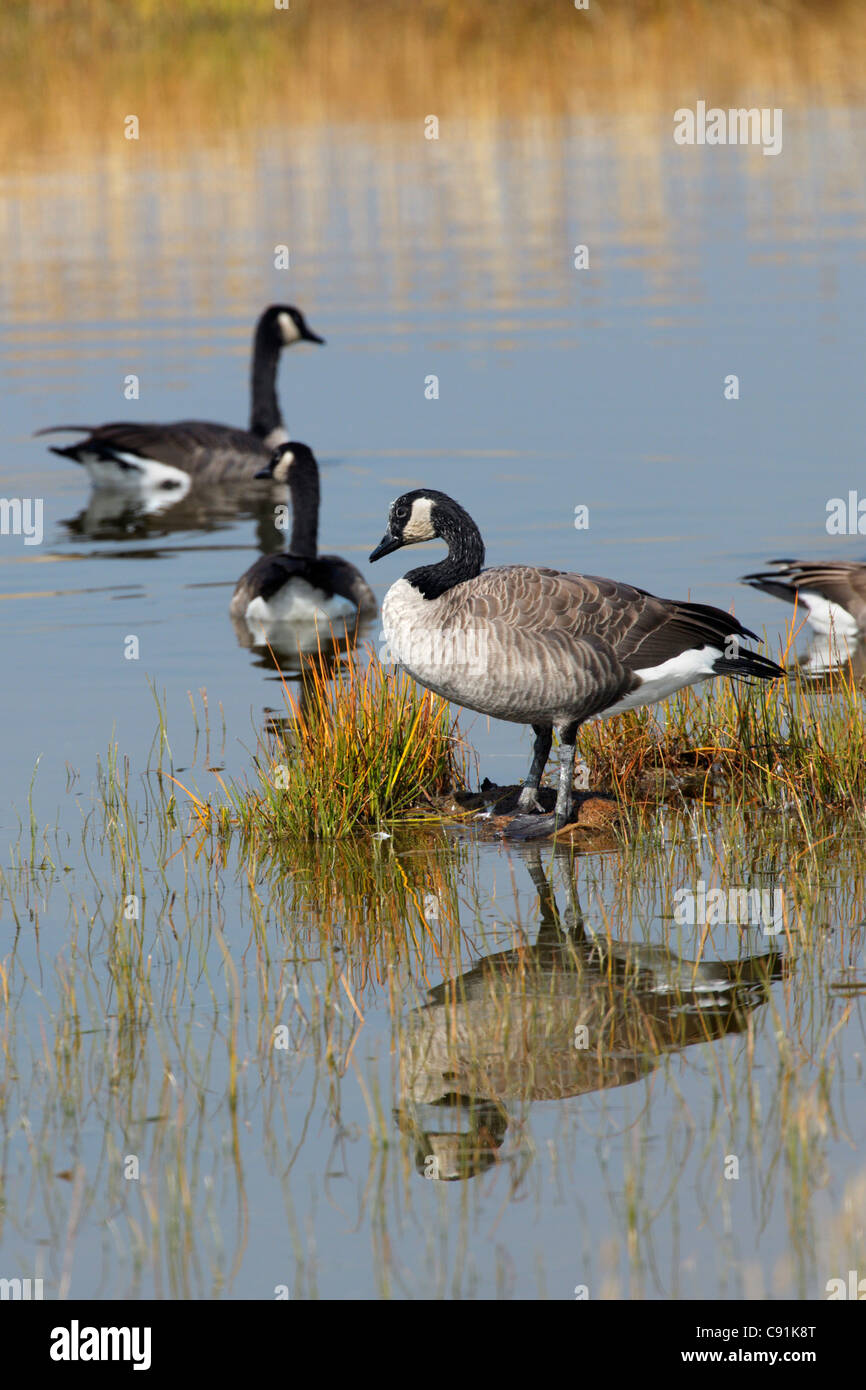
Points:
[216,67]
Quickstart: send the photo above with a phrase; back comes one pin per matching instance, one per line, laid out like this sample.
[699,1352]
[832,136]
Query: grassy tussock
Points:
[790,744]
[365,747]
[360,746]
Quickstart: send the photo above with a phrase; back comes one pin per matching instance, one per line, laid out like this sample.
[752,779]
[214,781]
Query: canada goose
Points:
[833,593]
[299,587]
[543,647]
[129,456]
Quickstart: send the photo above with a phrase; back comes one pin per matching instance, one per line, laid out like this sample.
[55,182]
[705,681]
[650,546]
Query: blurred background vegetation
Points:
[69,72]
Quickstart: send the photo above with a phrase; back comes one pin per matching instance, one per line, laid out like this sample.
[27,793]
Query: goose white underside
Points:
[824,657]
[671,974]
[828,618]
[837,631]
[299,603]
[299,620]
[660,682]
[141,475]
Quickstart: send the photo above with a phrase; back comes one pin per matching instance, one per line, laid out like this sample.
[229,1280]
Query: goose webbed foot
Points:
[528,803]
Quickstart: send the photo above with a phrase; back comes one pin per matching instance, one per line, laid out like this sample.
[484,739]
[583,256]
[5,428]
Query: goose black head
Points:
[412,518]
[287,325]
[425,515]
[428,515]
[289,459]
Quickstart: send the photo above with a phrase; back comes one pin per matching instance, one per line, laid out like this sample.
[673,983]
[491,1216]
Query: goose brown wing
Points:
[269,573]
[533,599]
[664,628]
[190,445]
[560,610]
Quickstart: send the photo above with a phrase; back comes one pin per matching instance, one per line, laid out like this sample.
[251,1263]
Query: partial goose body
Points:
[833,594]
[540,646]
[300,588]
[294,589]
[536,646]
[130,457]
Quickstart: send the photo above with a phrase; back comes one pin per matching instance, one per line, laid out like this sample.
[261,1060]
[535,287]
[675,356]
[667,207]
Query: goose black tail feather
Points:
[59,429]
[775,584]
[748,664]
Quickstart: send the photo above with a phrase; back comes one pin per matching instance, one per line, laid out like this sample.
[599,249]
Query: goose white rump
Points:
[300,603]
[132,473]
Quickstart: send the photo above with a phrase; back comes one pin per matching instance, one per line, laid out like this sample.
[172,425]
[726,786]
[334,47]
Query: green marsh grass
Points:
[360,748]
[156,1035]
[153,1035]
[363,748]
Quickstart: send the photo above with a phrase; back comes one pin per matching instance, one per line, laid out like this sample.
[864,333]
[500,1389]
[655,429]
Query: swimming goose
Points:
[833,593]
[299,587]
[132,457]
[540,646]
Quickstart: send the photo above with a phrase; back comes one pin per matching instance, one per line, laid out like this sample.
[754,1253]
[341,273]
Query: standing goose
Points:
[135,457]
[543,647]
[833,593]
[300,587]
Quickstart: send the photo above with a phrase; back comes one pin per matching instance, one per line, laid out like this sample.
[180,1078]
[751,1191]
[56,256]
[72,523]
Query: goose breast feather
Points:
[327,576]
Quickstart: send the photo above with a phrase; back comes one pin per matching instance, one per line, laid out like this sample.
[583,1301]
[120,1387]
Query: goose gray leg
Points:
[555,929]
[531,827]
[528,799]
[565,794]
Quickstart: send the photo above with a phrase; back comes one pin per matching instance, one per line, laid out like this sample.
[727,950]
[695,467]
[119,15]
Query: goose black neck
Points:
[463,561]
[264,408]
[304,492]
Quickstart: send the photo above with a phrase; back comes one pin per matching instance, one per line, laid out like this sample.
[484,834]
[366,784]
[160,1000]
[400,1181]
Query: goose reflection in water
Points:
[115,516]
[281,648]
[567,1016]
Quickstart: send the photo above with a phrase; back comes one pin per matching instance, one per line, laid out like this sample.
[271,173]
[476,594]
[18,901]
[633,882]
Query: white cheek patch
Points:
[289,329]
[419,527]
[281,471]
